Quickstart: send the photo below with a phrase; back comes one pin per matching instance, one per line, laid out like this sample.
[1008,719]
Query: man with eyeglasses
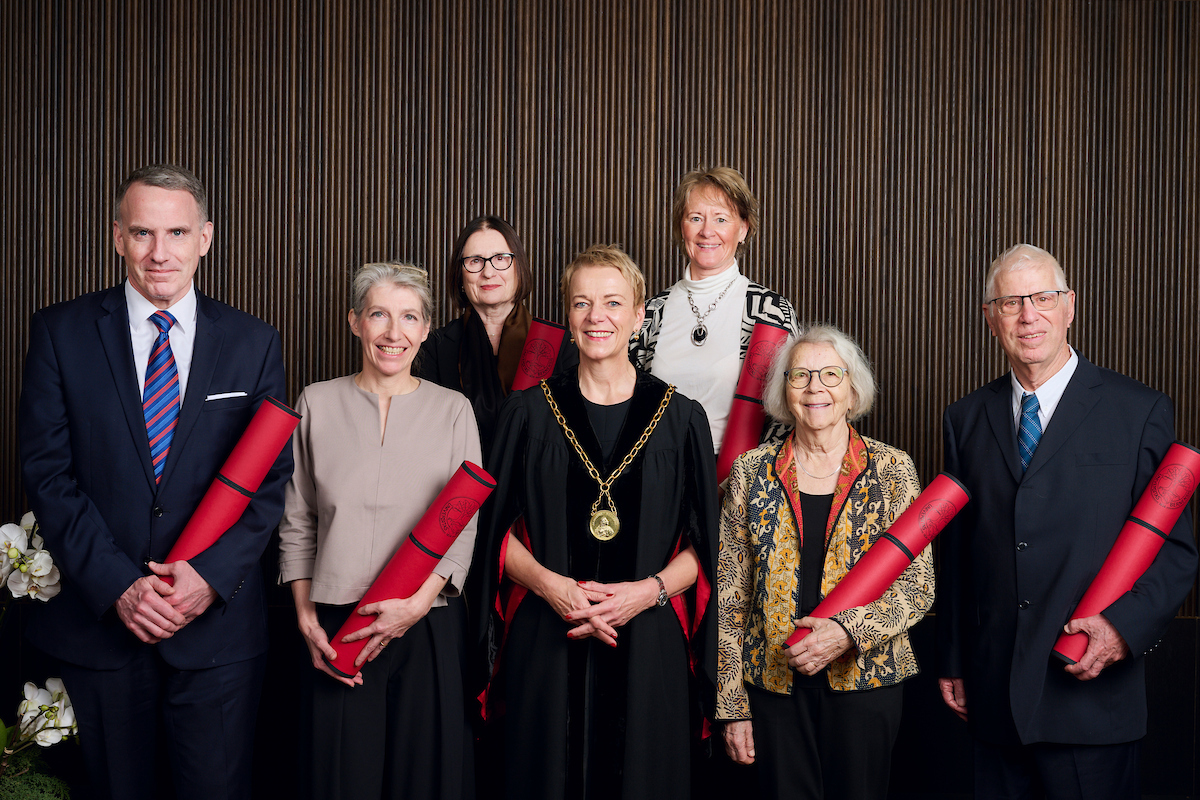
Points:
[1055,453]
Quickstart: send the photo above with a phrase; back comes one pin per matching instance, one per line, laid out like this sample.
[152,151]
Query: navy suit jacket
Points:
[1018,558]
[86,465]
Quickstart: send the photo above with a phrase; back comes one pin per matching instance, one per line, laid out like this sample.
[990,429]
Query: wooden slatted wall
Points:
[896,148]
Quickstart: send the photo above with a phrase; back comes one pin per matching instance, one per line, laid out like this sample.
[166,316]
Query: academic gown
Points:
[582,719]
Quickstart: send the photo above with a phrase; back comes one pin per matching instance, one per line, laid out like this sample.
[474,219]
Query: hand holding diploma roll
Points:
[540,353]
[1141,537]
[238,480]
[743,429]
[894,550]
[416,558]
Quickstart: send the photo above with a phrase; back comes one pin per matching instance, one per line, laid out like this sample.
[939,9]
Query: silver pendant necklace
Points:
[817,477]
[800,464]
[700,332]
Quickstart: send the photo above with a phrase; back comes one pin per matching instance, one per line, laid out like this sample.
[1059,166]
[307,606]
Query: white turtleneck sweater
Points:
[708,373]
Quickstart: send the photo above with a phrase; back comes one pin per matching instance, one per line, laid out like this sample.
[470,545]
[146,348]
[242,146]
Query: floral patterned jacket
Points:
[759,564]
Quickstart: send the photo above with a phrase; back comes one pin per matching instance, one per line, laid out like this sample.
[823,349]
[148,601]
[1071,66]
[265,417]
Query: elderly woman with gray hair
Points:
[820,717]
[373,450]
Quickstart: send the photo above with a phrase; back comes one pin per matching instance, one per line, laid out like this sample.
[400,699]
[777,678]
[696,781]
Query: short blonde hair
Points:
[604,255]
[726,180]
[858,370]
[396,273]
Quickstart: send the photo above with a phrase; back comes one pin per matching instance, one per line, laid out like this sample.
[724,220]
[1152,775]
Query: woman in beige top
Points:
[372,451]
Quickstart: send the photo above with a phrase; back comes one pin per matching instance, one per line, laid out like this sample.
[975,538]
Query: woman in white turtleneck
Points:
[696,333]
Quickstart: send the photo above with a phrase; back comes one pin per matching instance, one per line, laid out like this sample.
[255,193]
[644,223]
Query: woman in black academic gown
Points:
[478,352]
[606,477]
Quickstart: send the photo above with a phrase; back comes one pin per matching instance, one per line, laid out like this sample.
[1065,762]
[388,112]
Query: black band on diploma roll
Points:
[417,543]
[485,481]
[1147,526]
[747,398]
[283,407]
[898,544]
[960,485]
[234,486]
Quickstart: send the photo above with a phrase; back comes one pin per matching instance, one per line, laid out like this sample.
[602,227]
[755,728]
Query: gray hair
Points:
[395,273]
[164,176]
[858,370]
[1019,257]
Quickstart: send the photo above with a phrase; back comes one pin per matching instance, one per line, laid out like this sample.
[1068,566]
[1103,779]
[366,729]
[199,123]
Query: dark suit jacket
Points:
[86,464]
[1021,554]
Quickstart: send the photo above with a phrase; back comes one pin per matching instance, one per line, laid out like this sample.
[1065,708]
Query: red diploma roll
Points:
[238,480]
[894,550]
[744,426]
[413,562]
[1141,537]
[542,344]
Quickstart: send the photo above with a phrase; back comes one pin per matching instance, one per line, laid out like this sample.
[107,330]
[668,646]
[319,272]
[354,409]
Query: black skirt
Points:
[404,732]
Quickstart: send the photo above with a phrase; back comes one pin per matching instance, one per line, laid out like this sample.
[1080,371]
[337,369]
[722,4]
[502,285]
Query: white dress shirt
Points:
[1048,394]
[143,332]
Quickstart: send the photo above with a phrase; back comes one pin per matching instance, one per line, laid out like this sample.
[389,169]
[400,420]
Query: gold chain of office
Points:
[605,524]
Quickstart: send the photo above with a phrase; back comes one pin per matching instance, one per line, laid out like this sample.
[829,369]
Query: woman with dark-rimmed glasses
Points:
[478,352]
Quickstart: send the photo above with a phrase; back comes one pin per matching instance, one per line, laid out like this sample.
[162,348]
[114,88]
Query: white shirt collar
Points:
[141,309]
[1049,393]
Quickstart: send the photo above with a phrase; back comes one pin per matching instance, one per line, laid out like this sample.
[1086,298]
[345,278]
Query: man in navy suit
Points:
[1055,454]
[115,460]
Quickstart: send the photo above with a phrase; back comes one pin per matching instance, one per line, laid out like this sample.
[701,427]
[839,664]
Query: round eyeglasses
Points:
[830,376]
[500,261]
[1010,305]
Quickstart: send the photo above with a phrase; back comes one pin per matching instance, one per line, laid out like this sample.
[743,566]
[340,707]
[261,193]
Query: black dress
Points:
[582,719]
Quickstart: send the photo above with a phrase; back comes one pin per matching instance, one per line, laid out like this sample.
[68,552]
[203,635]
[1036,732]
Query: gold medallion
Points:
[604,525]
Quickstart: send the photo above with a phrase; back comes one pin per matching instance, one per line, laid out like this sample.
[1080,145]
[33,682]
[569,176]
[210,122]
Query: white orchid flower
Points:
[47,586]
[19,582]
[40,564]
[30,525]
[31,706]
[13,537]
[48,736]
[39,587]
[13,543]
[26,570]
[46,714]
[65,716]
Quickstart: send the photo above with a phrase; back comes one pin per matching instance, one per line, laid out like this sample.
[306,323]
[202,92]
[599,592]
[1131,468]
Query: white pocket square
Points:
[224,395]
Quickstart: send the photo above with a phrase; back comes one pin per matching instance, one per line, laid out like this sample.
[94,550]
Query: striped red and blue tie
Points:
[160,399]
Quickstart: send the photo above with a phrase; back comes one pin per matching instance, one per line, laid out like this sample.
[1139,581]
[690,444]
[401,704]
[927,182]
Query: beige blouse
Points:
[352,500]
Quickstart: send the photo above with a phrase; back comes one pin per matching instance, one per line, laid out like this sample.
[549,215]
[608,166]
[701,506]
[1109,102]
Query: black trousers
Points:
[404,732]
[818,743]
[1058,771]
[206,716]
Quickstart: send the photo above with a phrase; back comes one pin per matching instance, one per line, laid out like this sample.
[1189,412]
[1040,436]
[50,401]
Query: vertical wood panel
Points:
[896,147]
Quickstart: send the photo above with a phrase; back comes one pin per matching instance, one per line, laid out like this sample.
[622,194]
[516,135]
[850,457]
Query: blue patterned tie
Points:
[1031,429]
[160,399]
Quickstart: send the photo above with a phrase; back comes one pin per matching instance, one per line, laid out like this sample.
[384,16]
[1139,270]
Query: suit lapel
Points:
[113,330]
[1000,416]
[1077,401]
[205,354]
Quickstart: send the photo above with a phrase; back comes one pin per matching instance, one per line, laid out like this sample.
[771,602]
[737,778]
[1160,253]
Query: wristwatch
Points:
[662,591]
